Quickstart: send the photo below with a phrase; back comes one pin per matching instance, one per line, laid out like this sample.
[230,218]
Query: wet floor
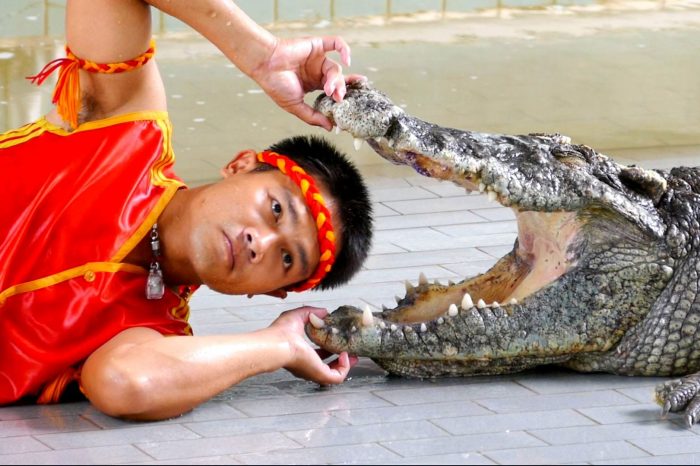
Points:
[622,80]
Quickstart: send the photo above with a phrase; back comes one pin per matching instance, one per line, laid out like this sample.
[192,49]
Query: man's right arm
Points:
[143,375]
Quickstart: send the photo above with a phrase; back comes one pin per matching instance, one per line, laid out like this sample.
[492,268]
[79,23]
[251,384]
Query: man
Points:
[102,246]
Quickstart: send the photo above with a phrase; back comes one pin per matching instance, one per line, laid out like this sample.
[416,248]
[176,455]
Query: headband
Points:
[66,94]
[319,211]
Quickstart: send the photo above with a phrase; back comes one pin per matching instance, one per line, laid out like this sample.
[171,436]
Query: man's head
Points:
[349,199]
[255,231]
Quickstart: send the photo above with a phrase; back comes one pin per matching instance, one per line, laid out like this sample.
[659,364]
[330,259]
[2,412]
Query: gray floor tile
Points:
[463,444]
[468,389]
[264,424]
[434,410]
[342,454]
[481,424]
[553,402]
[576,454]
[98,455]
[350,435]
[670,445]
[130,435]
[315,404]
[16,445]
[229,445]
[609,433]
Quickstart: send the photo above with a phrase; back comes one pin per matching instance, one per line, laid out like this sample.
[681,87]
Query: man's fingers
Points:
[334,81]
[306,113]
[335,43]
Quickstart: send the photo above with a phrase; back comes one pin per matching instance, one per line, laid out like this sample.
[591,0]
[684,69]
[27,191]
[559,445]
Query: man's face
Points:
[253,232]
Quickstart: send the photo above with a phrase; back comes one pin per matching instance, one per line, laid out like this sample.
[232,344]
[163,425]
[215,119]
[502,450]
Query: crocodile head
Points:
[591,257]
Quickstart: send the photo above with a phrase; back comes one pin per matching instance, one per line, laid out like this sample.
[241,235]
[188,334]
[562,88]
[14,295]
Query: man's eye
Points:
[276,208]
[287,259]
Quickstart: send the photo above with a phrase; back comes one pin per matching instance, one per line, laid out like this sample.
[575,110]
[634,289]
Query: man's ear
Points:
[243,162]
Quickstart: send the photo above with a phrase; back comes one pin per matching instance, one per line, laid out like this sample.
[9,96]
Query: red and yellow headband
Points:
[66,94]
[319,211]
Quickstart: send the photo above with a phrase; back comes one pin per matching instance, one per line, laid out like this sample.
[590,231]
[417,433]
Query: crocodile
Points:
[603,275]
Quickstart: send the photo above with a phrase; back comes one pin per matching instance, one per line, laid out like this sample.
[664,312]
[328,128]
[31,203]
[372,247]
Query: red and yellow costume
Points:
[75,204]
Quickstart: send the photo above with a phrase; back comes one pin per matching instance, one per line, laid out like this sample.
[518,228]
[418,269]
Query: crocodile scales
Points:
[603,276]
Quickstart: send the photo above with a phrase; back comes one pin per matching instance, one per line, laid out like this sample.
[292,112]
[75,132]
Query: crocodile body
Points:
[603,276]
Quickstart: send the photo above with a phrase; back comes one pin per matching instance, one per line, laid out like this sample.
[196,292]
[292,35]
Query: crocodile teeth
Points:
[480,304]
[492,195]
[422,279]
[423,328]
[336,129]
[367,317]
[440,321]
[357,143]
[378,140]
[482,187]
[398,299]
[467,302]
[495,304]
[513,301]
[353,329]
[452,311]
[409,287]
[382,325]
[316,321]
[334,331]
[393,327]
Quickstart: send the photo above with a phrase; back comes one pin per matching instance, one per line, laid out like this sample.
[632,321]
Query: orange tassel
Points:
[67,95]
[51,393]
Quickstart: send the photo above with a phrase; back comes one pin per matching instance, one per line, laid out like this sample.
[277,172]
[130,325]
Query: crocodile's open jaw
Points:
[545,250]
[587,228]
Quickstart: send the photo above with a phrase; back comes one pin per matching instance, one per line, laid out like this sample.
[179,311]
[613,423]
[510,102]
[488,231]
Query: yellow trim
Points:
[145,226]
[21,134]
[158,179]
[145,115]
[67,275]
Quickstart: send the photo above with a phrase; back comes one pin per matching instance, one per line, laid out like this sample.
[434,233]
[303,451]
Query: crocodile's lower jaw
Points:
[544,252]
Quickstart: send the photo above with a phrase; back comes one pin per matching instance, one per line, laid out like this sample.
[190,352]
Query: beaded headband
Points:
[319,211]
[66,94]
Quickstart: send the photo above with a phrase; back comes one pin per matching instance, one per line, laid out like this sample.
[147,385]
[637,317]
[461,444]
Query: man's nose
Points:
[258,242]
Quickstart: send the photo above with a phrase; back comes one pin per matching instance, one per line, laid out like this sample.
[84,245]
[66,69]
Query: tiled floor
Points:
[544,416]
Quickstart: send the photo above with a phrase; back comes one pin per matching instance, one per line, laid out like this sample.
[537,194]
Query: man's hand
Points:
[305,361]
[298,66]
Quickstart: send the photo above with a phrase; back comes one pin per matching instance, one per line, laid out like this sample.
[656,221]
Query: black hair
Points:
[330,167]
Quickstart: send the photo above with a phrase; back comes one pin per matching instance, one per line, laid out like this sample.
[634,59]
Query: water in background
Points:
[620,77]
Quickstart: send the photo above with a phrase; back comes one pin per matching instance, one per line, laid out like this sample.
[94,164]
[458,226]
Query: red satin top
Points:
[74,205]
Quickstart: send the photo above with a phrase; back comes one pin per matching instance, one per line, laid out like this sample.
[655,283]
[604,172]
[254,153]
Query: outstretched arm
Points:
[108,31]
[140,374]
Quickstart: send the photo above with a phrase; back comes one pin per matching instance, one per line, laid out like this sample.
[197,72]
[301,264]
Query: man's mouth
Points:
[231,254]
